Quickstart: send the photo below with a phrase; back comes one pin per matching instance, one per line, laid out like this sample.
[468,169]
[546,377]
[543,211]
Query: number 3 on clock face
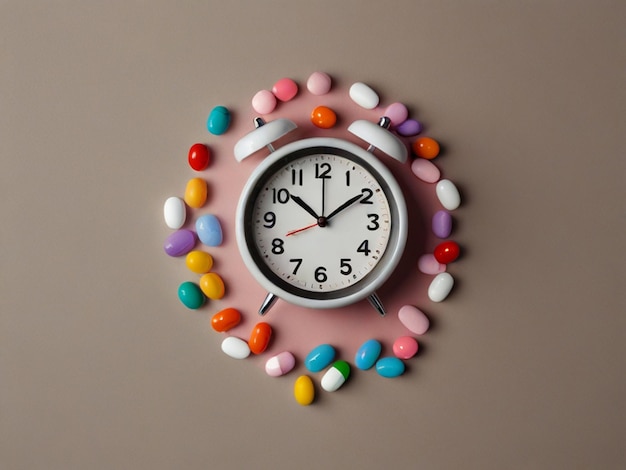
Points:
[321,223]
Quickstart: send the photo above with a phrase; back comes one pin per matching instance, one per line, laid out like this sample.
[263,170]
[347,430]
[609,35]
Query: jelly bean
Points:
[425,170]
[196,192]
[174,212]
[319,83]
[409,128]
[285,89]
[442,224]
[447,252]
[367,354]
[448,194]
[426,147]
[319,357]
[180,242]
[363,95]
[235,347]
[225,319]
[428,264]
[218,121]
[405,347]
[199,157]
[190,295]
[413,319]
[280,364]
[264,102]
[389,367]
[209,230]
[440,287]
[303,390]
[336,376]
[323,117]
[260,337]
[199,262]
[397,112]
[212,285]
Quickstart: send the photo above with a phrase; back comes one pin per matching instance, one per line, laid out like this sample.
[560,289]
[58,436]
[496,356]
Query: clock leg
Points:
[270,299]
[377,304]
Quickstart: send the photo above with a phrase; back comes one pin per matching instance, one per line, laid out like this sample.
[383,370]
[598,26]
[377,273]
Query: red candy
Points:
[199,157]
[260,337]
[446,252]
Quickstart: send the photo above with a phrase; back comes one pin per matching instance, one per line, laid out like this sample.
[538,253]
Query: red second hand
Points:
[293,232]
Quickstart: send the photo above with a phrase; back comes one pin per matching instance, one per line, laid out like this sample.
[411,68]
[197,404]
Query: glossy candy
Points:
[190,295]
[196,192]
[174,212]
[218,121]
[180,242]
[280,364]
[225,319]
[425,170]
[323,117]
[319,83]
[397,112]
[199,261]
[447,252]
[426,147]
[260,337]
[448,194]
[285,89]
[363,95]
[336,376]
[390,367]
[319,357]
[409,128]
[264,102]
[413,319]
[199,157]
[303,390]
[212,285]
[235,347]
[367,354]
[440,287]
[405,347]
[428,264]
[209,230]
[442,224]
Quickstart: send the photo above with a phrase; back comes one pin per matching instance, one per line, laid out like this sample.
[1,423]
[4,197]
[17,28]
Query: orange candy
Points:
[323,117]
[226,319]
[260,337]
[426,147]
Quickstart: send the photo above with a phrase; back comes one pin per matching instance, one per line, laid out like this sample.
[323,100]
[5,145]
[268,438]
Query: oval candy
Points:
[285,89]
[260,337]
[447,252]
[196,192]
[425,170]
[323,117]
[397,112]
[218,120]
[199,262]
[190,295]
[426,147]
[336,376]
[303,390]
[363,95]
[440,287]
[442,224]
[390,367]
[225,319]
[198,157]
[319,83]
[174,212]
[448,194]
[180,242]
[235,347]
[209,230]
[264,102]
[367,354]
[405,347]
[212,285]
[413,319]
[409,128]
[428,264]
[280,364]
[319,357]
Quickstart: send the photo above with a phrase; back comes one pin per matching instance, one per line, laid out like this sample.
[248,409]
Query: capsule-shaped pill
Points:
[280,364]
[390,367]
[442,224]
[260,337]
[190,295]
[180,242]
[319,358]
[363,95]
[428,264]
[303,390]
[235,347]
[336,376]
[440,287]
[218,121]
[448,194]
[199,261]
[367,354]
[196,192]
[447,252]
[413,319]
[405,347]
[174,212]
[212,285]
[225,319]
[209,230]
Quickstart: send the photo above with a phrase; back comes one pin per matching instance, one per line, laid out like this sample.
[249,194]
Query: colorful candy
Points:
[218,121]
[440,287]
[405,347]
[319,83]
[447,252]
[323,117]
[199,262]
[196,192]
[264,102]
[190,295]
[209,230]
[413,319]
[428,264]
[303,390]
[448,194]
[260,337]
[367,354]
[280,364]
[212,285]
[442,224]
[199,157]
[390,367]
[174,212]
[235,347]
[363,95]
[319,357]
[397,112]
[285,89]
[426,147]
[225,319]
[336,376]
[180,242]
[408,128]
[425,170]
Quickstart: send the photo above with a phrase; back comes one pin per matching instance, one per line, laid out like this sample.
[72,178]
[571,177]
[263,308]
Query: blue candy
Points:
[367,354]
[319,358]
[218,121]
[209,230]
[390,367]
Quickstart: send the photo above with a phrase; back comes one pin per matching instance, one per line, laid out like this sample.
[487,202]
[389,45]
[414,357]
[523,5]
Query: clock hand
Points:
[345,205]
[323,194]
[298,230]
[305,206]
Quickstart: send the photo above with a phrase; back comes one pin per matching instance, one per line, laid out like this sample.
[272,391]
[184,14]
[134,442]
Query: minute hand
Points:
[345,205]
[304,205]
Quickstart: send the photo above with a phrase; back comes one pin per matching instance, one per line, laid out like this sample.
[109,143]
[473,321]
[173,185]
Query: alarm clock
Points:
[321,222]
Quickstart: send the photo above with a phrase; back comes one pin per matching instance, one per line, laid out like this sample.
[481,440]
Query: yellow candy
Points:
[212,286]
[199,262]
[303,390]
[196,192]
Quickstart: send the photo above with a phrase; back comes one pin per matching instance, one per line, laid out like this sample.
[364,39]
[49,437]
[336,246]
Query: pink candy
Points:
[285,89]
[413,319]
[405,347]
[318,83]
[397,112]
[425,170]
[264,102]
[427,264]
[280,364]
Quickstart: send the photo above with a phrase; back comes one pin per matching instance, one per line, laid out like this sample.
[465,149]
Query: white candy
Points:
[174,212]
[235,347]
[440,287]
[448,194]
[363,95]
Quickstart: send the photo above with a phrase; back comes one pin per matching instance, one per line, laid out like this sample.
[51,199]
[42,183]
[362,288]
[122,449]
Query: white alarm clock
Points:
[321,222]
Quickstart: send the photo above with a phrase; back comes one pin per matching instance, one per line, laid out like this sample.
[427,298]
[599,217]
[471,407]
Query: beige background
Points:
[525,365]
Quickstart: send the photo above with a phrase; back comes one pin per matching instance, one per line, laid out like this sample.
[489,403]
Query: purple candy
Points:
[409,127]
[180,242]
[442,224]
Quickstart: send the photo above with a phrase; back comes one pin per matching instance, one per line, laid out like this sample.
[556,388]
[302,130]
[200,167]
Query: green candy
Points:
[190,295]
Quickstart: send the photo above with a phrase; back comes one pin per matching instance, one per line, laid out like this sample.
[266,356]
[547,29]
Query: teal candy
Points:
[190,295]
[319,358]
[390,367]
[367,355]
[218,121]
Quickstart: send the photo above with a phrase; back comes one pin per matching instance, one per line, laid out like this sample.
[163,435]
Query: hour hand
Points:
[305,206]
[345,205]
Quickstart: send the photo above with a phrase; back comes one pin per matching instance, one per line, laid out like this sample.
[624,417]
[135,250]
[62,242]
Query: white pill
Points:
[363,95]
[174,212]
[236,347]
[336,376]
[448,194]
[440,287]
